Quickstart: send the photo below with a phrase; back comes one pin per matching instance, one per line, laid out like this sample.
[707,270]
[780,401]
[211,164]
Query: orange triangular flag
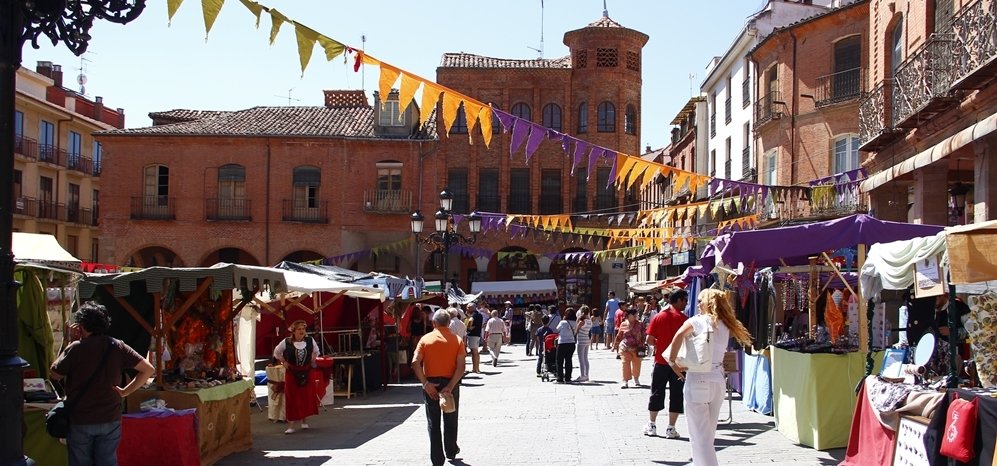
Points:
[389,75]
[406,92]
[451,103]
[430,96]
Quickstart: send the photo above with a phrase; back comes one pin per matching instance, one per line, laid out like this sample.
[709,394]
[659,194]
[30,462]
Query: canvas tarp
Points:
[972,256]
[514,287]
[42,250]
[891,265]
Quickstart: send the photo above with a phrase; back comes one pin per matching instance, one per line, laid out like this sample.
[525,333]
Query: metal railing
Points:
[26,206]
[713,123]
[26,146]
[727,103]
[832,200]
[387,201]
[48,153]
[927,74]
[80,163]
[80,216]
[768,107]
[839,87]
[874,118]
[228,209]
[975,29]
[301,210]
[745,92]
[489,202]
[153,208]
[746,162]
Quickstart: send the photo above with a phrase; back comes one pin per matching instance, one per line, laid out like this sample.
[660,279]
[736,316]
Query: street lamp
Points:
[446,234]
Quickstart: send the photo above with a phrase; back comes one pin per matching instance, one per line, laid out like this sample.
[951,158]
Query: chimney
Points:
[99,100]
[57,75]
[648,148]
[44,68]
[345,99]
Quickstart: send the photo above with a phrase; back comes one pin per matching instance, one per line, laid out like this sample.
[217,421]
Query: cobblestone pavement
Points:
[508,416]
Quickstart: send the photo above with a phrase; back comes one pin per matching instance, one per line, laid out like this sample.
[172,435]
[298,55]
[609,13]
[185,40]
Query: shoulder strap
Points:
[86,385]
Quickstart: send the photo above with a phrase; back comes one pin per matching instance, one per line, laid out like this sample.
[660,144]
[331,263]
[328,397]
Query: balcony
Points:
[81,164]
[923,82]
[875,127]
[727,115]
[728,169]
[80,216]
[26,147]
[228,209]
[48,153]
[839,87]
[975,29]
[153,208]
[489,203]
[746,171]
[48,210]
[828,201]
[26,206]
[387,201]
[745,93]
[305,211]
[713,124]
[768,108]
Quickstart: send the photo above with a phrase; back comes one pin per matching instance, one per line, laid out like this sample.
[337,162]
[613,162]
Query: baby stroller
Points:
[550,358]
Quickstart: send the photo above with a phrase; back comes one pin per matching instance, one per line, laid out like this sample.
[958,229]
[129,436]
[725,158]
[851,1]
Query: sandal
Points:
[626,385]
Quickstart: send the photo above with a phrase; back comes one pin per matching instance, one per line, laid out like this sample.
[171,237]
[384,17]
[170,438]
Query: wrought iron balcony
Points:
[727,103]
[153,208]
[713,123]
[80,216]
[728,168]
[745,92]
[51,211]
[80,163]
[746,171]
[828,201]
[387,201]
[975,29]
[875,124]
[305,211]
[924,80]
[48,153]
[25,146]
[768,108]
[26,206]
[228,209]
[839,87]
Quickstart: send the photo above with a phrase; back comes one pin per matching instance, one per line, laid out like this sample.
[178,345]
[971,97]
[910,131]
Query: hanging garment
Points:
[834,318]
[981,327]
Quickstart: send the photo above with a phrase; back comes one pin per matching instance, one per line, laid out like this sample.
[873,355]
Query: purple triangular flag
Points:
[520,131]
[537,135]
[505,118]
[566,144]
[580,148]
[594,155]
[612,171]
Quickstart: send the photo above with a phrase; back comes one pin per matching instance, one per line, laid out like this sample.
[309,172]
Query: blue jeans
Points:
[93,444]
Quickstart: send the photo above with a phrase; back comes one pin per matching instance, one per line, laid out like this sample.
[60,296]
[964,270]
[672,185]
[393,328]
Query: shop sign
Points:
[681,258]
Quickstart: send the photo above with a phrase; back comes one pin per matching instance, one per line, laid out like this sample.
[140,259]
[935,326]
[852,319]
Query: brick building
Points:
[57,163]
[817,67]
[928,121]
[267,184]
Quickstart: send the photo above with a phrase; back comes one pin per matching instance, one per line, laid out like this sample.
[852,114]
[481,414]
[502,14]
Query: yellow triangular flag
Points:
[485,118]
[407,91]
[430,95]
[277,19]
[625,164]
[171,8]
[702,209]
[306,44]
[389,75]
[332,48]
[451,104]
[254,7]
[471,112]
[679,179]
[211,9]
[640,166]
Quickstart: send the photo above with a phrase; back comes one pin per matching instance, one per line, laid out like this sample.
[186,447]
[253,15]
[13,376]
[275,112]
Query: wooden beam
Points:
[132,312]
[838,273]
[812,288]
[190,301]
[863,317]
[158,335]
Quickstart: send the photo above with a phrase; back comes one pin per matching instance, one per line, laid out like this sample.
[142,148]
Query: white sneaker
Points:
[304,426]
[651,430]
[670,432]
[581,379]
[636,382]
[290,431]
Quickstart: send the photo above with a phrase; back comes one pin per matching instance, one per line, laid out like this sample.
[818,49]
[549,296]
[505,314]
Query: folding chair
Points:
[730,367]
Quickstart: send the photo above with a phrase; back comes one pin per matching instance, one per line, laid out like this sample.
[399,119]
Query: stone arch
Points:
[154,256]
[578,277]
[302,255]
[230,255]
[511,267]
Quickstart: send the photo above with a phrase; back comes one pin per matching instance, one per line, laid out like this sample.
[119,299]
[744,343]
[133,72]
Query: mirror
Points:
[925,348]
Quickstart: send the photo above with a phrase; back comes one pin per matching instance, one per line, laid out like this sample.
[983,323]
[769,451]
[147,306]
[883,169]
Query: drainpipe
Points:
[58,180]
[266,210]
[792,117]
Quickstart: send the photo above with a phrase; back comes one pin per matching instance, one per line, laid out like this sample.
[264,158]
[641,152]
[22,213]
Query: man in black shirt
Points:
[474,337]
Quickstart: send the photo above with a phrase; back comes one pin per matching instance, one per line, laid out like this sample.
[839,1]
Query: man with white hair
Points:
[456,323]
[438,363]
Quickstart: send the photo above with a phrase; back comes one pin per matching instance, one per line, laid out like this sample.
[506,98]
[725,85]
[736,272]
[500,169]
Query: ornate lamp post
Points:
[446,234]
[68,22]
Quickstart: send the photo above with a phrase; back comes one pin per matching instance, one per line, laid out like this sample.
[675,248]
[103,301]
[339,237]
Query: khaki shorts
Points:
[398,357]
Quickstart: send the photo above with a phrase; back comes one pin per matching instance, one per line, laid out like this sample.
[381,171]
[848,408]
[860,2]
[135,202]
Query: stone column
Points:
[889,202]
[931,195]
[984,183]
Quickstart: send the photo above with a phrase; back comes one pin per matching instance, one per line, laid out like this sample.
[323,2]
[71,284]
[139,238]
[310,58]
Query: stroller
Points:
[550,358]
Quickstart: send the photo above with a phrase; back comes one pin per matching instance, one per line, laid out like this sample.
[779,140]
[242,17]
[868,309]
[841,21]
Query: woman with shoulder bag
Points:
[582,342]
[630,340]
[705,388]
[566,330]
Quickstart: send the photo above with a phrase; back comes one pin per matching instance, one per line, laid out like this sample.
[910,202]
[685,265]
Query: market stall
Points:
[521,293]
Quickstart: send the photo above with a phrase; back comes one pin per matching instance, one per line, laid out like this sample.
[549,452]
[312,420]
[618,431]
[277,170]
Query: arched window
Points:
[459,125]
[630,120]
[552,116]
[496,124]
[522,110]
[607,118]
[583,118]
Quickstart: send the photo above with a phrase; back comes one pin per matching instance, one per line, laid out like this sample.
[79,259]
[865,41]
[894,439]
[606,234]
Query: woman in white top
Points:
[494,332]
[298,354]
[583,341]
[704,391]
[566,330]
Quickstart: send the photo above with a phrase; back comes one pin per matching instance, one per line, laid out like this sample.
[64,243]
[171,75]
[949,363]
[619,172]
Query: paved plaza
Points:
[509,417]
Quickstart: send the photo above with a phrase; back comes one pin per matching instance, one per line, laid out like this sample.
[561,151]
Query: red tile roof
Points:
[468,60]
[179,115]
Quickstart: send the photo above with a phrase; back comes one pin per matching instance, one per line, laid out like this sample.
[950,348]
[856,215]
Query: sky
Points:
[152,65]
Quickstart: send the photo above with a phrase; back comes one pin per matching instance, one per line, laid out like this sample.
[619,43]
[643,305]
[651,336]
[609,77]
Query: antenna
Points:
[541,51]
[605,10]
[692,77]
[81,79]
[289,98]
[363,69]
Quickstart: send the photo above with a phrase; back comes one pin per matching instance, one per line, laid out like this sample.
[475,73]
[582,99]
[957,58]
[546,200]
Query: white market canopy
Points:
[302,282]
[42,250]
[514,287]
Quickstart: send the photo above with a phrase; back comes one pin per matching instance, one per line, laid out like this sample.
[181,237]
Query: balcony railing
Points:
[80,216]
[830,201]
[746,171]
[301,210]
[489,202]
[153,208]
[80,163]
[839,87]
[26,206]
[975,29]
[728,169]
[228,209]
[875,123]
[25,146]
[768,108]
[48,153]
[745,93]
[387,201]
[923,81]
[727,103]
[713,123]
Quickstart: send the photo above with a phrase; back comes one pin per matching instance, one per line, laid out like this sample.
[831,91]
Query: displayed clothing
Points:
[981,326]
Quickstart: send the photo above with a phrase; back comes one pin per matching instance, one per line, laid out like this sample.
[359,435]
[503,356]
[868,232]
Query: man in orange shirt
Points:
[438,363]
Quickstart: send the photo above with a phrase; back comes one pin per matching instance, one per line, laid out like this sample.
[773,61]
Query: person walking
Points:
[92,366]
[597,327]
[630,340]
[660,333]
[494,333]
[704,391]
[583,341]
[457,325]
[438,363]
[474,337]
[298,354]
[566,330]
[612,305]
[541,334]
[533,322]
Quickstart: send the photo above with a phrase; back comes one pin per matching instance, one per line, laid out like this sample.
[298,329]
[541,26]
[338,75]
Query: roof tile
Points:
[468,60]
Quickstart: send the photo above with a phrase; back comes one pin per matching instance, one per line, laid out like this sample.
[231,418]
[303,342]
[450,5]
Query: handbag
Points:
[960,429]
[57,418]
[695,353]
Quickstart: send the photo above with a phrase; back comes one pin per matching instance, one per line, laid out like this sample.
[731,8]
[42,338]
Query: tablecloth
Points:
[38,444]
[870,443]
[757,385]
[814,395]
[161,437]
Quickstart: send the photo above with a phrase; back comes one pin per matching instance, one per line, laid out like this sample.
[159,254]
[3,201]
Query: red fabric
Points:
[663,327]
[618,318]
[301,402]
[869,443]
[960,429]
[143,441]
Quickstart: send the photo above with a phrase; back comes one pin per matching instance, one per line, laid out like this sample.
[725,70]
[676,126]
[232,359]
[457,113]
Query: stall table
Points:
[223,416]
[146,435]
[986,428]
[814,395]
[38,444]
